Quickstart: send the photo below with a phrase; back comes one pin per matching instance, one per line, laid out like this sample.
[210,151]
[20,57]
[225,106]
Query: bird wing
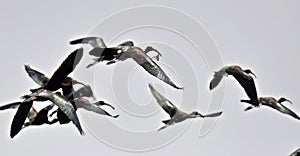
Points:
[64,70]
[105,53]
[281,108]
[151,67]
[94,41]
[217,78]
[85,104]
[168,106]
[295,153]
[10,106]
[247,82]
[126,43]
[67,108]
[85,91]
[36,76]
[20,118]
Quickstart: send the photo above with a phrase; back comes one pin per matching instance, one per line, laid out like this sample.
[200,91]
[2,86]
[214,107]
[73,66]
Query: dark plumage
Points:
[242,76]
[45,91]
[295,153]
[10,106]
[20,118]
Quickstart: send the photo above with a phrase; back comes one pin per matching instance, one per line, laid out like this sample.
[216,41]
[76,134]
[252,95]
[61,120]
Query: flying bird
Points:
[46,92]
[76,97]
[242,76]
[175,114]
[93,107]
[34,117]
[125,51]
[40,117]
[275,104]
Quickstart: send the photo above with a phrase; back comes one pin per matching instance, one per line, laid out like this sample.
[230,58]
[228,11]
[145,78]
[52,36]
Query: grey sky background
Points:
[259,35]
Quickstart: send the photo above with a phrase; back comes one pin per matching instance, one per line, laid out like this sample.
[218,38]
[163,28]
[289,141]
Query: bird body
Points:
[275,104]
[125,51]
[46,91]
[242,76]
[175,114]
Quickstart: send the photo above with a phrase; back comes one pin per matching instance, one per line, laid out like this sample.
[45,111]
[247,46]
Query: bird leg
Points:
[149,48]
[162,128]
[111,62]
[53,113]
[249,102]
[97,60]
[211,115]
[248,108]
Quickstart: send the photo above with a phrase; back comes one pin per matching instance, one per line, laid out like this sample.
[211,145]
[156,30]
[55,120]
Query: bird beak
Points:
[248,71]
[253,74]
[289,101]
[77,82]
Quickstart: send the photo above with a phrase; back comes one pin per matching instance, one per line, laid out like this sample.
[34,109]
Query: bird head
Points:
[282,99]
[248,71]
[69,82]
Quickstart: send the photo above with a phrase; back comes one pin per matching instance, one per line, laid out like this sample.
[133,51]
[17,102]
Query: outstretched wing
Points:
[281,108]
[105,53]
[64,70]
[36,76]
[11,106]
[217,78]
[93,41]
[247,82]
[20,118]
[170,108]
[68,109]
[127,43]
[85,104]
[152,68]
[295,153]
[85,91]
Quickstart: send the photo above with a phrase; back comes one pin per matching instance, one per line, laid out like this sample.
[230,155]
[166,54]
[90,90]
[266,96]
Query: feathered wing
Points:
[94,41]
[11,106]
[247,82]
[67,108]
[20,118]
[36,76]
[64,70]
[168,107]
[92,107]
[281,108]
[85,91]
[105,53]
[295,153]
[152,68]
[217,78]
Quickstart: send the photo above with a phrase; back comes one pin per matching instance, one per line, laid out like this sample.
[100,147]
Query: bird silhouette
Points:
[242,76]
[175,114]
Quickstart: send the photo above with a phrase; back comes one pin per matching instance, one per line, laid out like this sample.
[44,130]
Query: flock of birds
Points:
[70,99]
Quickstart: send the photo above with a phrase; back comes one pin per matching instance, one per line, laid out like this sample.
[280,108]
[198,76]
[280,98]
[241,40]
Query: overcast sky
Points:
[262,36]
